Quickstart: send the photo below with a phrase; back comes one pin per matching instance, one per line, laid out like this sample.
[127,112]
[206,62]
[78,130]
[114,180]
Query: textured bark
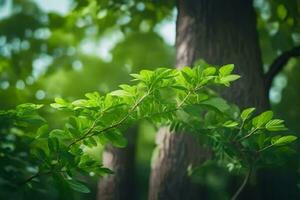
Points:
[220,32]
[120,185]
[176,152]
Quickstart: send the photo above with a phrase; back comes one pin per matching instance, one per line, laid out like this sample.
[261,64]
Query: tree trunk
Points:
[119,185]
[220,32]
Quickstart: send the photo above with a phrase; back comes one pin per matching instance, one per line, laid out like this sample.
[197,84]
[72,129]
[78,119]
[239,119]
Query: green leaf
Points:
[90,142]
[186,77]
[285,140]
[33,119]
[78,186]
[229,78]
[93,96]
[226,70]
[136,76]
[28,107]
[188,74]
[230,124]
[73,121]
[209,71]
[218,103]
[42,132]
[59,103]
[75,132]
[116,138]
[66,157]
[80,103]
[39,153]
[274,138]
[59,134]
[53,144]
[260,120]
[247,113]
[275,125]
[120,93]
[261,139]
[179,87]
[101,171]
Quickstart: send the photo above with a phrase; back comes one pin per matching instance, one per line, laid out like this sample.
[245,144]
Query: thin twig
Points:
[248,135]
[242,186]
[113,125]
[265,148]
[38,175]
[184,99]
[85,135]
[34,176]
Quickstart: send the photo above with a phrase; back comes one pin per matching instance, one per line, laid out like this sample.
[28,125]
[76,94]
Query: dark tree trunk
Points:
[220,32]
[120,185]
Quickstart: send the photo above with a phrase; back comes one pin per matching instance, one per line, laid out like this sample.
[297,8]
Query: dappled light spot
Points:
[4,85]
[77,65]
[40,94]
[20,84]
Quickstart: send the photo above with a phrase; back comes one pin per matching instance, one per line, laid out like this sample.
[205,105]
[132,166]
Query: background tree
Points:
[218,32]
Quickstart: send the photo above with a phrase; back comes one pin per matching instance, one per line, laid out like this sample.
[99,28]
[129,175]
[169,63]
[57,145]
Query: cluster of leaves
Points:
[181,99]
[249,142]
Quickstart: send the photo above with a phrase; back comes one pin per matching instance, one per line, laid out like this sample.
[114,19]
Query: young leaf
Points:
[80,103]
[274,138]
[217,103]
[116,138]
[226,69]
[120,93]
[33,119]
[209,71]
[229,78]
[42,131]
[39,153]
[77,186]
[75,132]
[230,124]
[73,121]
[59,103]
[247,113]
[53,144]
[275,125]
[93,96]
[186,77]
[284,140]
[260,120]
[59,134]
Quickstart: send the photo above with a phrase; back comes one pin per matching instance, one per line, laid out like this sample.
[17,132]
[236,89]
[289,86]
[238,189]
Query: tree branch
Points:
[278,65]
[242,186]
[113,125]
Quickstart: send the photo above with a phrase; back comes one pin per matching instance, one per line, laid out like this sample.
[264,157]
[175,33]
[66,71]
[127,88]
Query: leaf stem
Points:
[248,135]
[184,99]
[35,176]
[265,148]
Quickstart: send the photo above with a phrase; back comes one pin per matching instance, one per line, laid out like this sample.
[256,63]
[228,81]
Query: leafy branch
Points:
[181,99]
[87,134]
